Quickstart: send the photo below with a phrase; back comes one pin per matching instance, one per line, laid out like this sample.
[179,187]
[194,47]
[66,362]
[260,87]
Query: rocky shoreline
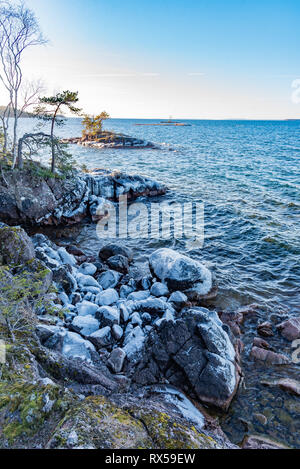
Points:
[33,200]
[109,340]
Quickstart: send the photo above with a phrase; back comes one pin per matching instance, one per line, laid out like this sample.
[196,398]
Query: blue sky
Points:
[190,59]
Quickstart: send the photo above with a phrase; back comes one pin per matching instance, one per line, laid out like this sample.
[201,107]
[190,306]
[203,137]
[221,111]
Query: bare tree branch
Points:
[19,30]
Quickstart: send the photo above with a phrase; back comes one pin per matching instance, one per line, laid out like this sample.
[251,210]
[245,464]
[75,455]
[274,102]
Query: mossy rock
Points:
[168,433]
[15,245]
[100,424]
[28,411]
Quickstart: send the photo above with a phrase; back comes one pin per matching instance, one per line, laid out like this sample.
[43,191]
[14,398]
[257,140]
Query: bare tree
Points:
[19,30]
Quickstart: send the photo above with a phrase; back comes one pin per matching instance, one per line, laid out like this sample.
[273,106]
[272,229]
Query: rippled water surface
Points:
[248,176]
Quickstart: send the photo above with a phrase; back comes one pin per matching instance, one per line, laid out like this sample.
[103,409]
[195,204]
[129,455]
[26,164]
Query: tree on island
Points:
[19,30]
[49,109]
[93,126]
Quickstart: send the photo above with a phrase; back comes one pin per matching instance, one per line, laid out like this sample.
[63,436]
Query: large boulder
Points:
[195,354]
[34,199]
[290,329]
[111,250]
[15,245]
[180,272]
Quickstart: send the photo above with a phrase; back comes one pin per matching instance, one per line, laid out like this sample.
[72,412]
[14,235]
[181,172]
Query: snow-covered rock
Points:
[139,295]
[85,325]
[159,289]
[87,269]
[86,308]
[180,272]
[108,316]
[107,297]
[109,279]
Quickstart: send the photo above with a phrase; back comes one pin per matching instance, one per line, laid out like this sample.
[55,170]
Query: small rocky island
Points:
[111,140]
[93,135]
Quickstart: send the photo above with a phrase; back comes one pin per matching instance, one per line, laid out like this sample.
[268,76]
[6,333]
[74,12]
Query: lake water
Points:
[247,173]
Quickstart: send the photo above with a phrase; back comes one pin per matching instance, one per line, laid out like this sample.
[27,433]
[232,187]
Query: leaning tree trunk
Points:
[21,142]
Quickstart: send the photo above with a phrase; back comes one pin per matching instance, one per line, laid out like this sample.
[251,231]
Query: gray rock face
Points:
[195,354]
[180,272]
[117,331]
[102,337]
[116,360]
[63,276]
[55,201]
[119,263]
[15,245]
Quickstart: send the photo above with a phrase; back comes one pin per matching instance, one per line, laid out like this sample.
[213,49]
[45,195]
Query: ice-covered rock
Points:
[65,257]
[109,279]
[146,282]
[107,297]
[159,289]
[153,306]
[180,272]
[124,313]
[85,325]
[139,295]
[125,290]
[87,281]
[178,300]
[97,206]
[133,343]
[91,290]
[136,320]
[87,269]
[108,316]
[74,346]
[86,308]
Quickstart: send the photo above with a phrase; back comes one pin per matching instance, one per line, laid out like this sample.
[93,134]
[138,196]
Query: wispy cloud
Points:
[119,75]
[196,74]
[108,75]
[150,74]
